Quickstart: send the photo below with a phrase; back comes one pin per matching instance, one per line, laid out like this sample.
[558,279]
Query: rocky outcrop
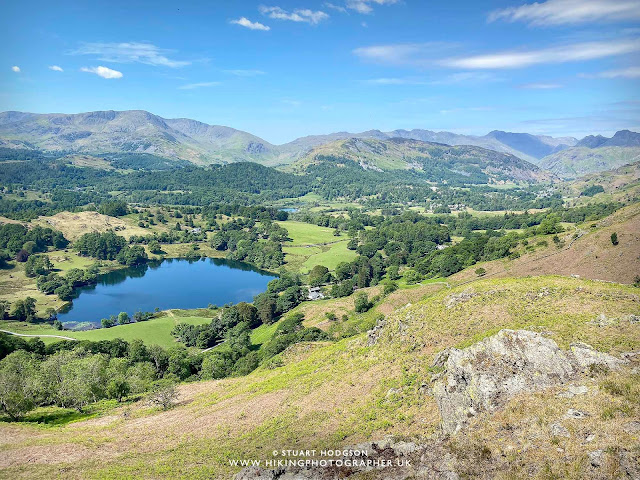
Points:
[482,377]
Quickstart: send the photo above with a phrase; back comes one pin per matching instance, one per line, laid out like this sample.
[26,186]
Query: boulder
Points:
[484,376]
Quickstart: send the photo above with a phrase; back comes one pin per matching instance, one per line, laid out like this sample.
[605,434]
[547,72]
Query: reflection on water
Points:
[172,283]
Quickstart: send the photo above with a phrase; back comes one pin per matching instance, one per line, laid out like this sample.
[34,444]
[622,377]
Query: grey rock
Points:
[482,377]
[596,458]
[485,375]
[573,390]
[577,414]
[456,298]
[631,427]
[557,430]
[374,334]
[585,355]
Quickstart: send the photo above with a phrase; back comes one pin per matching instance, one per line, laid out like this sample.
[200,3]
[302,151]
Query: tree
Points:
[109,322]
[4,309]
[480,271]
[216,365]
[361,302]
[123,318]
[614,238]
[164,394]
[22,256]
[266,306]
[64,292]
[24,310]
[319,275]
[154,247]
[18,387]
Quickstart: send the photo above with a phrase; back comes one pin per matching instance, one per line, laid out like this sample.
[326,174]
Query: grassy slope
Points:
[592,255]
[312,245]
[576,161]
[327,395]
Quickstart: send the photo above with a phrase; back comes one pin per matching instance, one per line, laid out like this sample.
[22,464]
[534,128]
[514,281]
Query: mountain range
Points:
[138,131]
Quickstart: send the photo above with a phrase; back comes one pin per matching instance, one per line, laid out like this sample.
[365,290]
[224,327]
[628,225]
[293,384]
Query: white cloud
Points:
[462,77]
[56,68]
[103,72]
[292,103]
[130,52]
[333,6]
[399,54]
[560,54]
[245,73]
[193,86]
[16,69]
[297,15]
[365,6]
[541,86]
[245,22]
[560,12]
[631,72]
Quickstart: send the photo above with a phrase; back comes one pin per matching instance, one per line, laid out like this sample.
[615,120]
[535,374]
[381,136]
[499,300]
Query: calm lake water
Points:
[172,283]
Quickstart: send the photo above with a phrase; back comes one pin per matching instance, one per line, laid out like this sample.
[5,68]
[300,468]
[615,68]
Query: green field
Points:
[155,331]
[307,234]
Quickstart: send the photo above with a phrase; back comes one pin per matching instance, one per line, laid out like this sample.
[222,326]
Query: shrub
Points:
[361,302]
[480,271]
[614,238]
[164,394]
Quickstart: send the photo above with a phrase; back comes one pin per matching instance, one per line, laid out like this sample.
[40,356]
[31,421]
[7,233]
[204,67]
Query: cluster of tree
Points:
[251,184]
[240,357]
[18,241]
[592,190]
[115,208]
[75,374]
[109,246]
[22,309]
[123,318]
[62,286]
[258,243]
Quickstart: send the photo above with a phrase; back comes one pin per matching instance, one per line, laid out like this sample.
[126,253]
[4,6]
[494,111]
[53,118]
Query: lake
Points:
[172,283]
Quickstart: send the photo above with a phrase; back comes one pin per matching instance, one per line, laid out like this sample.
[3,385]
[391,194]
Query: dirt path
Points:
[47,336]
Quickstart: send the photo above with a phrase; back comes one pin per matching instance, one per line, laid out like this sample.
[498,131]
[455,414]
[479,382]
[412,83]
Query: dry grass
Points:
[73,225]
[591,256]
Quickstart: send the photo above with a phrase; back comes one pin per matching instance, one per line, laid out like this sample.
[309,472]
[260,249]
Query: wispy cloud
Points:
[631,72]
[298,15]
[365,6]
[333,6]
[130,52]
[245,22]
[418,54]
[561,12]
[103,72]
[560,54]
[56,68]
[464,77]
[193,86]
[16,69]
[245,73]
[540,86]
[292,103]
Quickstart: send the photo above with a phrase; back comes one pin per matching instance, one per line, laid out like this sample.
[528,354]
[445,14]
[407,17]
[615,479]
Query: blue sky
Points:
[285,69]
